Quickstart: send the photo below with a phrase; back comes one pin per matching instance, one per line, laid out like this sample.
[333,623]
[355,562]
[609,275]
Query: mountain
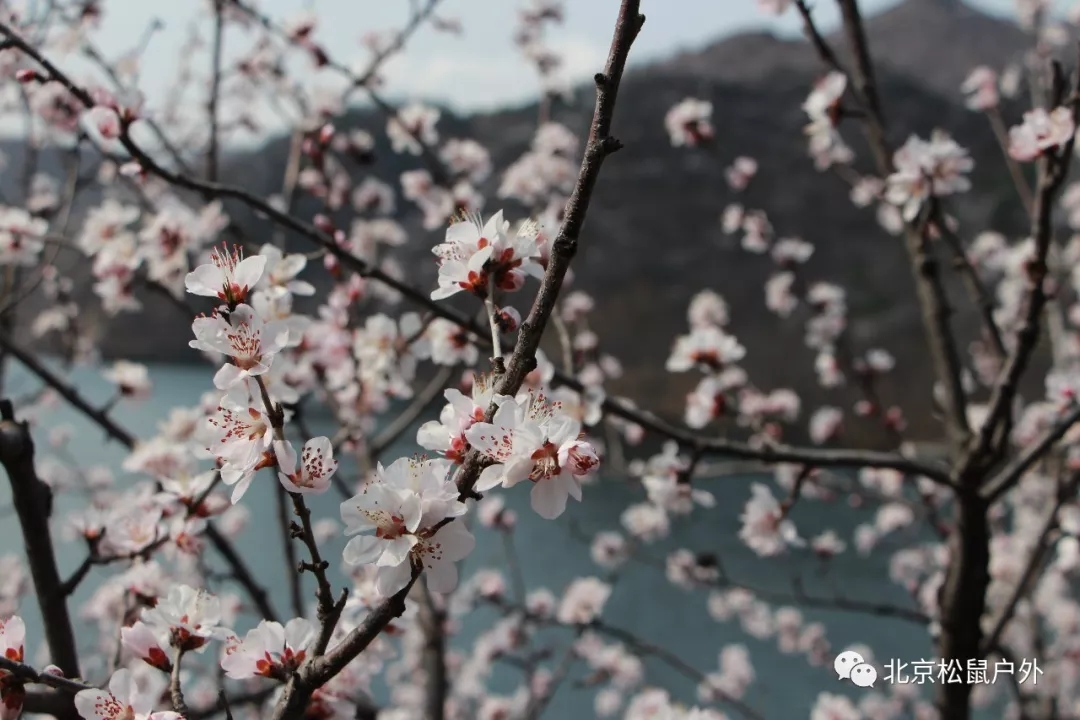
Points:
[652,238]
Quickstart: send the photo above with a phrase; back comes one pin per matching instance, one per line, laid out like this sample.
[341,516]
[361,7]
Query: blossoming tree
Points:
[170,641]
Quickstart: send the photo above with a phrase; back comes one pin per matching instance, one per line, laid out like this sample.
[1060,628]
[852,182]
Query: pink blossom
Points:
[583,601]
[269,650]
[825,424]
[531,439]
[981,89]
[132,380]
[765,530]
[104,120]
[476,254]
[245,337]
[317,465]
[21,237]
[412,127]
[1041,132]
[708,347]
[190,617]
[937,167]
[147,643]
[124,700]
[689,122]
[228,276]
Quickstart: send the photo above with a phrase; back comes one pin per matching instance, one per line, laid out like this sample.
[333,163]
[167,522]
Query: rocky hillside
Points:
[653,238]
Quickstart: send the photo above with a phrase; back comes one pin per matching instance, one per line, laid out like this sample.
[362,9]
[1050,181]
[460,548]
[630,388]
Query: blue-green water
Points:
[552,555]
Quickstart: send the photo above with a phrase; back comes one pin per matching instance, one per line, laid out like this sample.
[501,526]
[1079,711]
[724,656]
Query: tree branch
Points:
[32,499]
[215,91]
[438,685]
[933,300]
[1033,565]
[292,569]
[639,647]
[980,296]
[328,611]
[1011,474]
[600,144]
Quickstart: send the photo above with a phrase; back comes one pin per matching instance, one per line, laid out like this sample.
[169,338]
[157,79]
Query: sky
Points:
[480,68]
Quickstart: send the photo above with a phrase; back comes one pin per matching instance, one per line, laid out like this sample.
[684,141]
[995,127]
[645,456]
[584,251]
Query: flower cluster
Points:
[124,699]
[822,106]
[244,433]
[479,257]
[927,169]
[530,438]
[546,172]
[1041,132]
[268,650]
[401,520]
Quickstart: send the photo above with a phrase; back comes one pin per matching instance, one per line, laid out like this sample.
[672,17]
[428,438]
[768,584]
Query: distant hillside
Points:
[653,239]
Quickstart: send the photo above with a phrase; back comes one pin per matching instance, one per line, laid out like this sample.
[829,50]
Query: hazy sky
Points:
[480,68]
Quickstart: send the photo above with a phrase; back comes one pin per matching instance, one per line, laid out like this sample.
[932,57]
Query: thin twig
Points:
[1011,474]
[291,567]
[176,693]
[212,109]
[1033,565]
[980,296]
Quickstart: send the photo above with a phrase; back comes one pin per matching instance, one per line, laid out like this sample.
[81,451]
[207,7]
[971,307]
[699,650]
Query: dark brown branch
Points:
[328,611]
[963,596]
[319,670]
[600,144]
[1051,175]
[66,391]
[538,702]
[929,287]
[438,685]
[57,700]
[980,295]
[33,500]
[291,566]
[1017,173]
[28,674]
[771,454]
[69,586]
[810,29]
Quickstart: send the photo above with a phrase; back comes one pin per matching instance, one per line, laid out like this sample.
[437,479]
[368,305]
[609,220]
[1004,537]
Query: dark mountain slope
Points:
[653,239]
